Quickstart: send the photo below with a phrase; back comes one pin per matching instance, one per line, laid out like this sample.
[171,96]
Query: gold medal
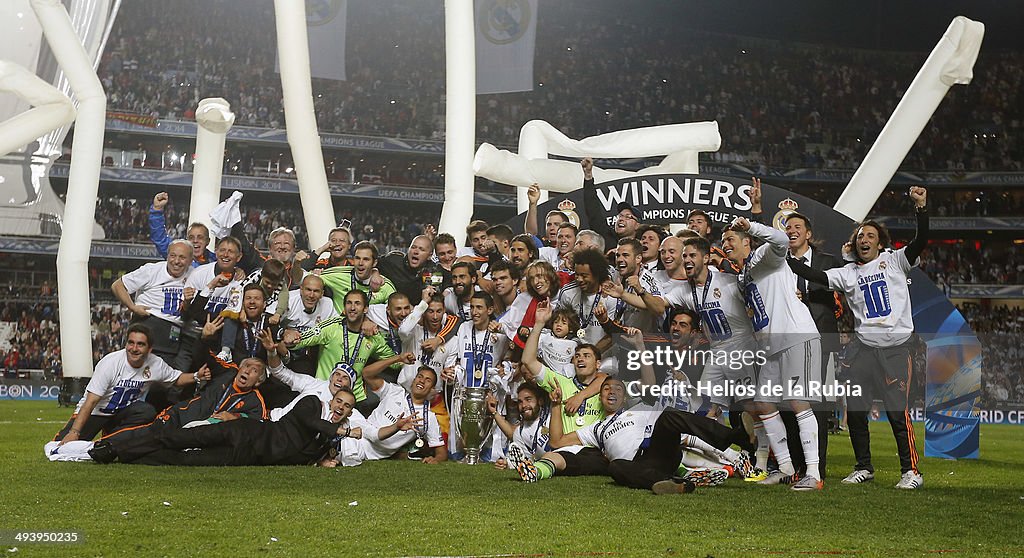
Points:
[478,374]
[579,421]
[581,333]
[750,313]
[419,443]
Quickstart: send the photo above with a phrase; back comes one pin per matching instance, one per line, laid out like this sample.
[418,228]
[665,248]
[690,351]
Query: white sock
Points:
[697,460]
[809,441]
[730,455]
[691,441]
[763,449]
[776,432]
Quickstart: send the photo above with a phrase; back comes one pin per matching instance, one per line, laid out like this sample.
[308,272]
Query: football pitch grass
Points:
[966,508]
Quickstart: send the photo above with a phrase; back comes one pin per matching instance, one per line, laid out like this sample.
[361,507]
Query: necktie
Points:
[801,283]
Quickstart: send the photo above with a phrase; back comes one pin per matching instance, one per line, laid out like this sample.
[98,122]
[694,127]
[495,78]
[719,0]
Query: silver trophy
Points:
[474,425]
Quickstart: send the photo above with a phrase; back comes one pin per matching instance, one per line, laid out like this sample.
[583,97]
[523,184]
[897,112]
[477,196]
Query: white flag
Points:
[506,31]
[325,24]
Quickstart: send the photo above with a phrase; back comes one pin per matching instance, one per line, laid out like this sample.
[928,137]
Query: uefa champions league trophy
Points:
[474,423]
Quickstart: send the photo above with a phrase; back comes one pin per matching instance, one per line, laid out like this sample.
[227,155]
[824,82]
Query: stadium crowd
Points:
[1001,332]
[822,106]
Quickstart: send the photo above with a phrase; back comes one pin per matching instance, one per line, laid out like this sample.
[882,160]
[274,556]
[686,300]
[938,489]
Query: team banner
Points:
[506,32]
[951,353]
[148,121]
[325,29]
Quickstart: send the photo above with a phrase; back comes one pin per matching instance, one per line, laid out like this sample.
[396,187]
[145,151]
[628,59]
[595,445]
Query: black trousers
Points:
[586,462]
[224,443]
[884,374]
[660,459]
[138,413]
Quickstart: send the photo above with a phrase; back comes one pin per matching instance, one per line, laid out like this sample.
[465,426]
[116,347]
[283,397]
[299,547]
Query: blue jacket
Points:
[158,234]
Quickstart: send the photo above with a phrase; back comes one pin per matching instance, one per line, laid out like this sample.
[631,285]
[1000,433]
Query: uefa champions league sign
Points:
[952,394]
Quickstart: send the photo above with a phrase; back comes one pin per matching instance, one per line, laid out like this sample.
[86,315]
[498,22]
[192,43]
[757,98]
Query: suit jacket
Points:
[822,302]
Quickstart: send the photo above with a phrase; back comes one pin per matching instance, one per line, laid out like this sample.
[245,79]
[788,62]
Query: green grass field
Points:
[967,508]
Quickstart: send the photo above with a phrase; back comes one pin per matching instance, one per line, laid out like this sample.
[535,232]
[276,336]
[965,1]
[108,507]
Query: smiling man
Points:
[116,394]
[235,395]
[876,289]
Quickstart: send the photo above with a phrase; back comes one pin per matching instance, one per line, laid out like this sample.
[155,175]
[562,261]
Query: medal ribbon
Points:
[607,425]
[351,357]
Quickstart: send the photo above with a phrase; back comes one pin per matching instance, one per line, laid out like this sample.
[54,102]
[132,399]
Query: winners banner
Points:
[952,395]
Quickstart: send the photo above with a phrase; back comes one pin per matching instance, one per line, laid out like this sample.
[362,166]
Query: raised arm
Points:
[158,224]
[530,224]
[920,242]
[530,360]
[592,205]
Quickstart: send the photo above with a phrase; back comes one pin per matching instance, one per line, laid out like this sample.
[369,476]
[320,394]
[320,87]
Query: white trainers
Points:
[225,355]
[910,480]
[858,476]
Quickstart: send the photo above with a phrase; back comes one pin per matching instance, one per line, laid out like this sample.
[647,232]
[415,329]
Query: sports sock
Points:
[698,460]
[763,448]
[545,469]
[809,441]
[775,430]
[691,441]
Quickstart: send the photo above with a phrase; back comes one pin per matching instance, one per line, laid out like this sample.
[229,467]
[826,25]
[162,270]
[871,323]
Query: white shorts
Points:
[793,369]
[739,382]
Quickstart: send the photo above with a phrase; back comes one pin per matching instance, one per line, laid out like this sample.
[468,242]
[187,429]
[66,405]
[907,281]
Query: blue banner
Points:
[179,179]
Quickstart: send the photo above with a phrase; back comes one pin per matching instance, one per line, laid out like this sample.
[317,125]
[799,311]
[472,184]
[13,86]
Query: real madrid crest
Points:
[881,265]
[320,12]
[503,21]
[786,207]
[146,373]
[717,292]
[569,208]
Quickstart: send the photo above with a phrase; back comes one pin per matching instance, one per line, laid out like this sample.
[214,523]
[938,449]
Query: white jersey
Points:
[557,353]
[668,285]
[395,402]
[413,334]
[652,265]
[631,316]
[228,296]
[620,435]
[571,296]
[157,291]
[480,352]
[515,313]
[118,385]
[780,320]
[879,297]
[550,255]
[533,435]
[453,306]
[722,310]
[678,393]
[300,319]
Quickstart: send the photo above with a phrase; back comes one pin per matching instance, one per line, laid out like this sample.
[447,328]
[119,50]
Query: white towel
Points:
[225,215]
[71,451]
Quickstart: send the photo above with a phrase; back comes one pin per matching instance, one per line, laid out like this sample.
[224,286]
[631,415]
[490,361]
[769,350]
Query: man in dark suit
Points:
[300,437]
[824,307]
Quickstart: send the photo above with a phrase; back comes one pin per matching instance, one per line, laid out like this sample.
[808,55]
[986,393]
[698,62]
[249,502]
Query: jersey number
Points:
[717,325]
[471,366]
[172,302]
[754,302]
[876,299]
[121,398]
